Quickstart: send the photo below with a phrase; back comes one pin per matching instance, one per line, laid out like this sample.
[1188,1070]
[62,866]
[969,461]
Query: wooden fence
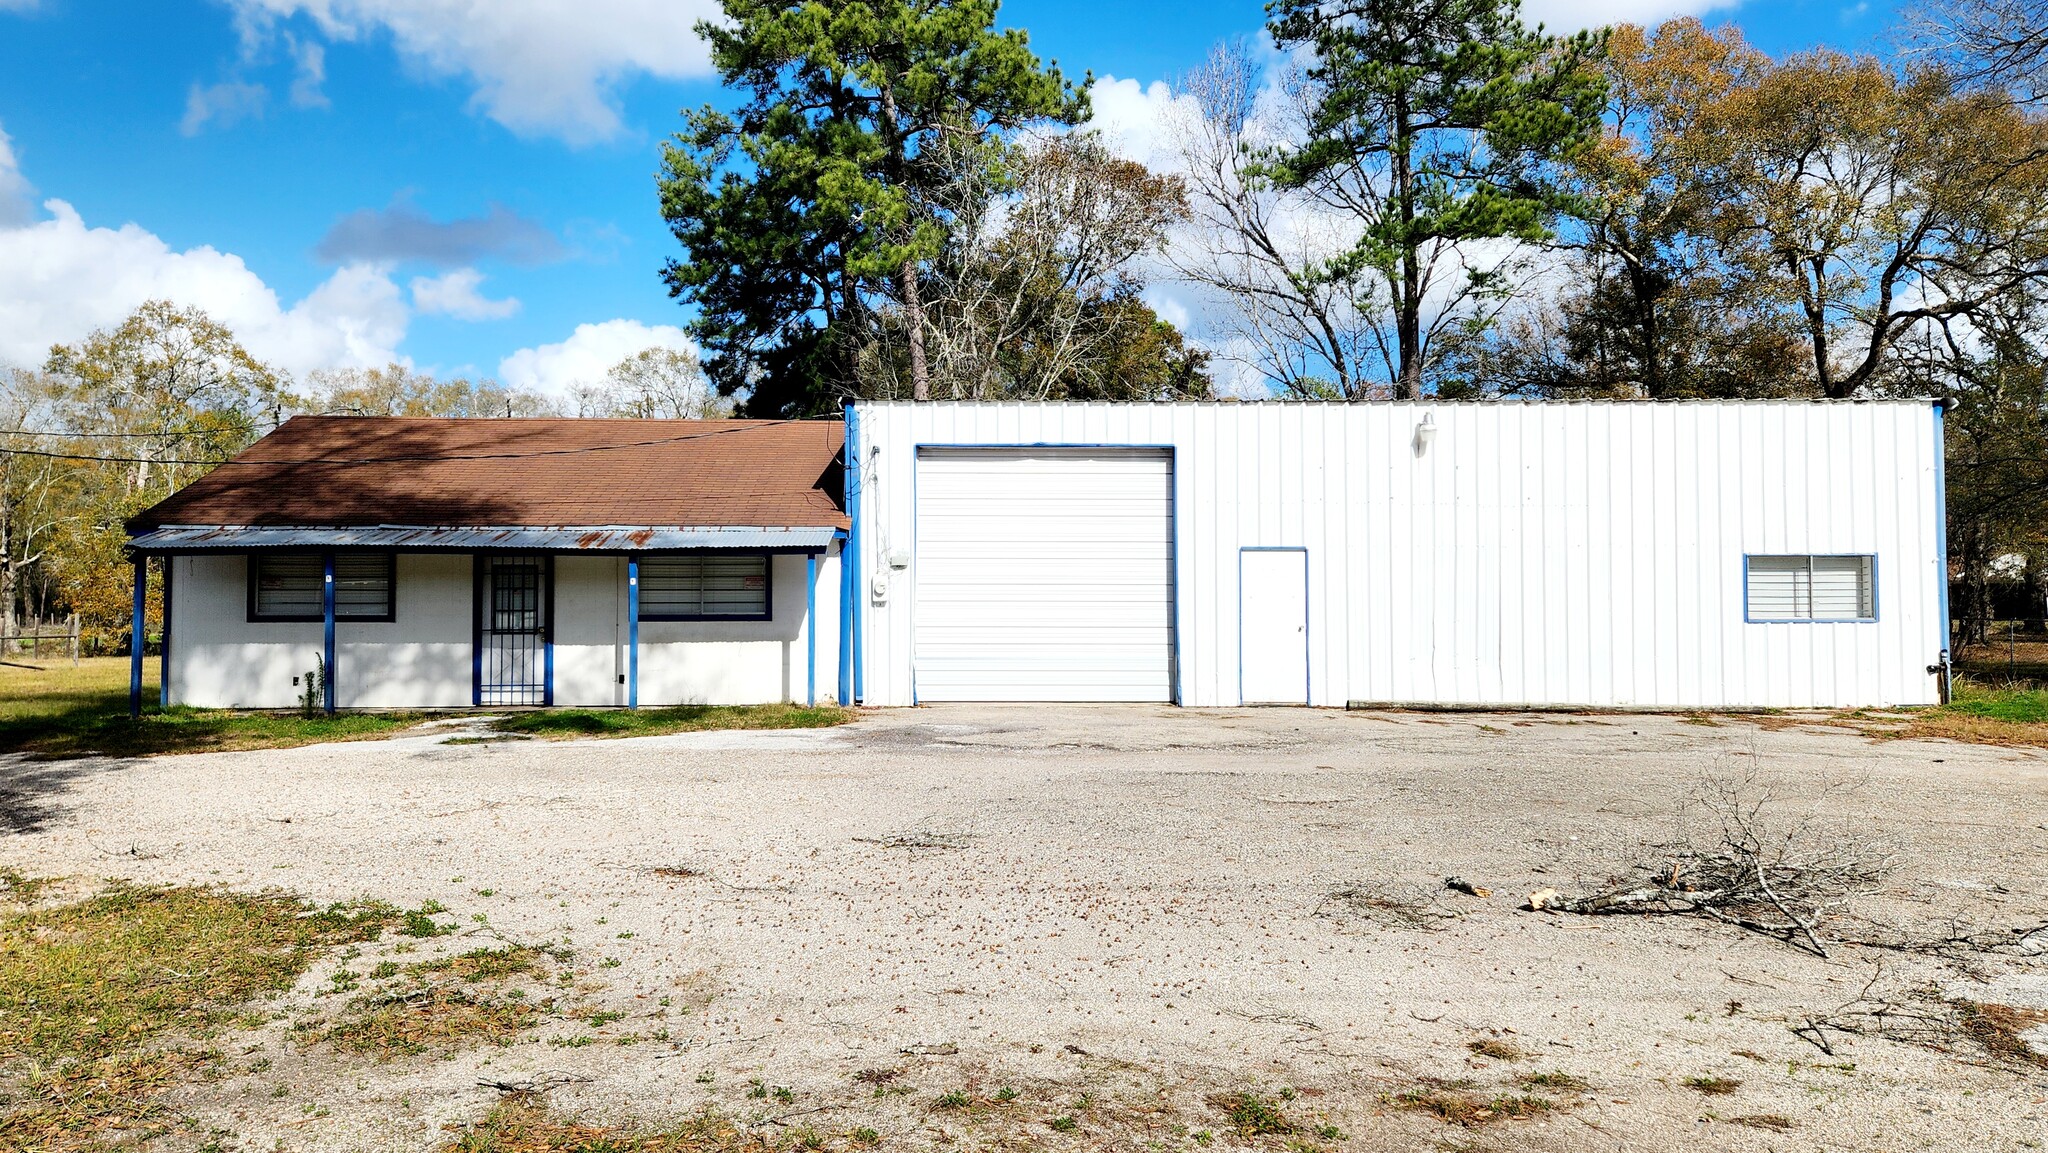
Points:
[31,636]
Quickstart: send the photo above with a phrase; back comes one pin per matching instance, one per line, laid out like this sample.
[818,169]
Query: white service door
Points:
[1273,619]
[1044,574]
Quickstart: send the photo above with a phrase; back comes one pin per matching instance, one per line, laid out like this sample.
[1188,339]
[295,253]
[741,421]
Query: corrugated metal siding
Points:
[1546,554]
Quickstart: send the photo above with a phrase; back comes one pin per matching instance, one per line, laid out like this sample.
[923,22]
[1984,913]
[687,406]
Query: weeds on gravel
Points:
[521,1125]
[1560,1082]
[1713,1086]
[1455,1104]
[1774,1122]
[1927,1018]
[1387,905]
[1254,1116]
[571,723]
[1497,1049]
[93,993]
[387,1026]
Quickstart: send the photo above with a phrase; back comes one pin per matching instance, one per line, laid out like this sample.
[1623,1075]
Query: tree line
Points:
[1384,199]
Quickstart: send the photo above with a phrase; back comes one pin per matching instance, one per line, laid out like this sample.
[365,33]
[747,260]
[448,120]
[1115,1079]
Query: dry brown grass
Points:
[437,1008]
[521,1125]
[1774,1122]
[1997,1029]
[1496,1048]
[1713,1086]
[433,1020]
[1455,1103]
[93,1105]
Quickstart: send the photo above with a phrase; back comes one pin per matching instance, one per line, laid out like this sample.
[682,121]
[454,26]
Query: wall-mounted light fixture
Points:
[1425,432]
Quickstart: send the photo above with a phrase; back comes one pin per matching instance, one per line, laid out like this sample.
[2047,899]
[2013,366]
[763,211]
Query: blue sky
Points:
[347,181]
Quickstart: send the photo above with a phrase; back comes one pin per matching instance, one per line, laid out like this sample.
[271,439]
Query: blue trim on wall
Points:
[845,625]
[1750,620]
[811,629]
[136,636]
[632,630]
[163,655]
[1308,667]
[851,563]
[477,565]
[547,631]
[1172,452]
[327,628]
[1941,534]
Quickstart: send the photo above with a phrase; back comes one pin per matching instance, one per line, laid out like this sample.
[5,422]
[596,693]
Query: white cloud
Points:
[224,103]
[14,191]
[455,294]
[587,355]
[310,58]
[539,67]
[1134,119]
[60,279]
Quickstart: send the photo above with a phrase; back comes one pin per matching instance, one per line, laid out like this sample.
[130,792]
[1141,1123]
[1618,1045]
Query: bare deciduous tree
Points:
[656,383]
[1036,295]
[1264,251]
[1995,43]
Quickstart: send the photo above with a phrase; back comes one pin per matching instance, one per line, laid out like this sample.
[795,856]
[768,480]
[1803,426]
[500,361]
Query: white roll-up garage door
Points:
[1044,574]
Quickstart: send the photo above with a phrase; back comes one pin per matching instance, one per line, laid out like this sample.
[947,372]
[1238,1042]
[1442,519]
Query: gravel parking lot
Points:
[1123,914]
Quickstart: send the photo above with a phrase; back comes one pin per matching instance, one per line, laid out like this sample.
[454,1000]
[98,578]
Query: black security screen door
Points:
[512,627]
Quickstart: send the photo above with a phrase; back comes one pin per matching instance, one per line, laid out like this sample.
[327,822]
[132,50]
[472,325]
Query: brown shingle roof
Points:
[318,471]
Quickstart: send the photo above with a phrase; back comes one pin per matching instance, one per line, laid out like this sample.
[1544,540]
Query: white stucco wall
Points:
[423,659]
[221,659]
[1571,554]
[746,662]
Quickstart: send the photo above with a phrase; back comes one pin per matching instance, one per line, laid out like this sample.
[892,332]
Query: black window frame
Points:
[390,614]
[766,614]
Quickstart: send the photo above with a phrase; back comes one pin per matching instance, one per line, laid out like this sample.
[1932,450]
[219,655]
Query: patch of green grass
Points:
[60,712]
[104,976]
[570,723]
[91,991]
[2012,705]
[953,1100]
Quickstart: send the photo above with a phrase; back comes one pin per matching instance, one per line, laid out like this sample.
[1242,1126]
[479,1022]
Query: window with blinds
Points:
[678,588]
[1812,588]
[288,587]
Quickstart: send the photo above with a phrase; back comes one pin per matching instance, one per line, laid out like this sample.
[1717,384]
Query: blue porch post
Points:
[811,628]
[136,636]
[327,623]
[632,630]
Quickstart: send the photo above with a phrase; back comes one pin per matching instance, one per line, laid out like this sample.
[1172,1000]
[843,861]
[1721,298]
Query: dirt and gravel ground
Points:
[1121,914]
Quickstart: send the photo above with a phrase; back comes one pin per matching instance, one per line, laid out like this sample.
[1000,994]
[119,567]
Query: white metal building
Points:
[1598,554]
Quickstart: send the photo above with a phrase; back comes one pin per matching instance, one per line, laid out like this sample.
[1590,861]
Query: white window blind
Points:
[690,588]
[288,586]
[1812,588]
